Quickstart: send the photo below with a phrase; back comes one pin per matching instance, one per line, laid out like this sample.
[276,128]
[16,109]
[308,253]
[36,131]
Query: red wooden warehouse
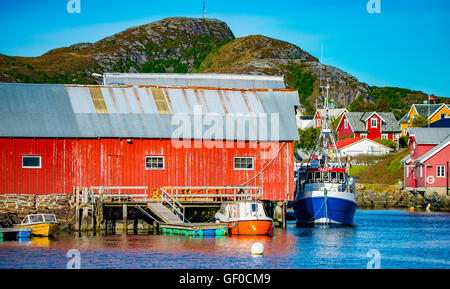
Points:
[56,137]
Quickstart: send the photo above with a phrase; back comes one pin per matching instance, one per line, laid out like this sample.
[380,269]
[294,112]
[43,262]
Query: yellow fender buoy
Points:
[412,209]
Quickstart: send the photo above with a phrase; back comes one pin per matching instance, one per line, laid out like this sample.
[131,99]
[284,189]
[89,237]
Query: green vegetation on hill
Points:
[304,82]
[177,45]
[308,138]
[387,171]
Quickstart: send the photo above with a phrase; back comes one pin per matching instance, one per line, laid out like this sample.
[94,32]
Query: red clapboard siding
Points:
[113,162]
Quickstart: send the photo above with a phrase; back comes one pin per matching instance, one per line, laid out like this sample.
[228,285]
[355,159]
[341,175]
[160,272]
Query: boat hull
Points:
[321,209]
[42,229]
[251,227]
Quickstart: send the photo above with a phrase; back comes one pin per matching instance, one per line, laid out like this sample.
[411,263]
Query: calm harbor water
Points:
[403,240]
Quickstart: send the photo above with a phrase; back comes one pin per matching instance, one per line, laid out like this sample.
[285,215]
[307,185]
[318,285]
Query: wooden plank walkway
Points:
[164,213]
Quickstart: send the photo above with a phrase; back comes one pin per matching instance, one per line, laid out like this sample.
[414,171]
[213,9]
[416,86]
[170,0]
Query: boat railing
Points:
[321,186]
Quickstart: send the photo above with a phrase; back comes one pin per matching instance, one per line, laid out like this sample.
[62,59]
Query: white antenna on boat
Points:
[204,9]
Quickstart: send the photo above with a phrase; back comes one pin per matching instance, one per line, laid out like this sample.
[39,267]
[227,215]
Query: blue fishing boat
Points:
[324,192]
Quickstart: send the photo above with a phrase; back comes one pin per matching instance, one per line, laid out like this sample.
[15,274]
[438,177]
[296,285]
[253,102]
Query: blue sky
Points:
[406,45]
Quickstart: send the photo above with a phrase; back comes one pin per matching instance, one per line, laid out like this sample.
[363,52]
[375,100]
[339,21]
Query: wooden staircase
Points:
[166,215]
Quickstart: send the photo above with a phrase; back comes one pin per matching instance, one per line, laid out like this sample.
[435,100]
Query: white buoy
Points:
[257,249]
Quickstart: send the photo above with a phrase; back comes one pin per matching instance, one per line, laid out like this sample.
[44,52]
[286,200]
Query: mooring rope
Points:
[264,169]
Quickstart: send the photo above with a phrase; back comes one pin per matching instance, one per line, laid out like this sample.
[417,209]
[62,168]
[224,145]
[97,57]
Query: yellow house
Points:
[433,112]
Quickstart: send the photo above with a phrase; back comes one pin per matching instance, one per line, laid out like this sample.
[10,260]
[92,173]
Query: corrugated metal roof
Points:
[424,135]
[240,81]
[434,150]
[47,110]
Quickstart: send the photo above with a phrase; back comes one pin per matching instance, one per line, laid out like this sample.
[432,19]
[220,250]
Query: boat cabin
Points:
[39,218]
[326,175]
[240,210]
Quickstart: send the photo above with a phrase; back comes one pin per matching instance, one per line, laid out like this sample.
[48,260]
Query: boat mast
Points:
[323,143]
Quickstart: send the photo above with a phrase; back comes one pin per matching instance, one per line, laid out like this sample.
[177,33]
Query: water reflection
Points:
[395,233]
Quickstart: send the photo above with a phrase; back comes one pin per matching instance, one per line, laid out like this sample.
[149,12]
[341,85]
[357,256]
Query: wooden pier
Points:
[164,207]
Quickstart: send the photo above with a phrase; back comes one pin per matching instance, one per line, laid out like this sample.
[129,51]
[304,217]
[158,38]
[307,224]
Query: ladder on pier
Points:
[166,215]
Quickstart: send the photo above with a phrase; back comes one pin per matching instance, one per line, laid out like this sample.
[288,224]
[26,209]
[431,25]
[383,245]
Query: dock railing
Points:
[177,207]
[117,192]
[220,193]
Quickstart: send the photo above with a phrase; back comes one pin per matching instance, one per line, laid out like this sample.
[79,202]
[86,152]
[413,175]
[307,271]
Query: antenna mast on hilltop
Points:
[204,9]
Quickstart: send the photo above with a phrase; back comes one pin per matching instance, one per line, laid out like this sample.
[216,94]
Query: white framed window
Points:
[373,122]
[421,172]
[384,136]
[243,163]
[345,123]
[363,135]
[319,122]
[440,171]
[31,162]
[154,163]
[443,115]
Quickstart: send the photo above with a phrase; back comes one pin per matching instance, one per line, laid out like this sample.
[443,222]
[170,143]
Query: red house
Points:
[426,167]
[371,125]
[333,113]
[56,137]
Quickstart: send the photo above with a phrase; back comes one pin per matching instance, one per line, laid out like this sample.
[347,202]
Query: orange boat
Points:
[245,218]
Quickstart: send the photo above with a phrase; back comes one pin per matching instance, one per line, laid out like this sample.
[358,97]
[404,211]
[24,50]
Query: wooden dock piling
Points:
[77,209]
[125,218]
[85,214]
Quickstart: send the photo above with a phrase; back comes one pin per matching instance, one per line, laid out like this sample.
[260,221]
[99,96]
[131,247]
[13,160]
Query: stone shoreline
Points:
[383,196]
[15,207]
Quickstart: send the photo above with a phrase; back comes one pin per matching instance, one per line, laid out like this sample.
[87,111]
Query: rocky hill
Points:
[263,55]
[169,45]
[198,45]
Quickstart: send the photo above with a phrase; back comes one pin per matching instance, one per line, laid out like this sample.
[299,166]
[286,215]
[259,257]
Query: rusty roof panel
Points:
[31,110]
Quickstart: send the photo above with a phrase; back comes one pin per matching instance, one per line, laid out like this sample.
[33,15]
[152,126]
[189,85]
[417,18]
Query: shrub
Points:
[387,142]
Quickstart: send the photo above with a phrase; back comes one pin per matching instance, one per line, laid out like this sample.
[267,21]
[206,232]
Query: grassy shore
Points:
[387,171]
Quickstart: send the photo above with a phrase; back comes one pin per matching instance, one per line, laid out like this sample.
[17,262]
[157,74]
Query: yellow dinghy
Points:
[41,224]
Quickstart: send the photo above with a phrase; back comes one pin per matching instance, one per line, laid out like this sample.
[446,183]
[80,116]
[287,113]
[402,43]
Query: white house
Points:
[362,146]
[303,121]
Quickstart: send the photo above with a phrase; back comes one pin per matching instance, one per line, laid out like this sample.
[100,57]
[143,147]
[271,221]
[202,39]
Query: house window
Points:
[363,135]
[31,162]
[373,122]
[154,163]
[346,123]
[440,171]
[421,173]
[319,122]
[443,115]
[243,163]
[384,136]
